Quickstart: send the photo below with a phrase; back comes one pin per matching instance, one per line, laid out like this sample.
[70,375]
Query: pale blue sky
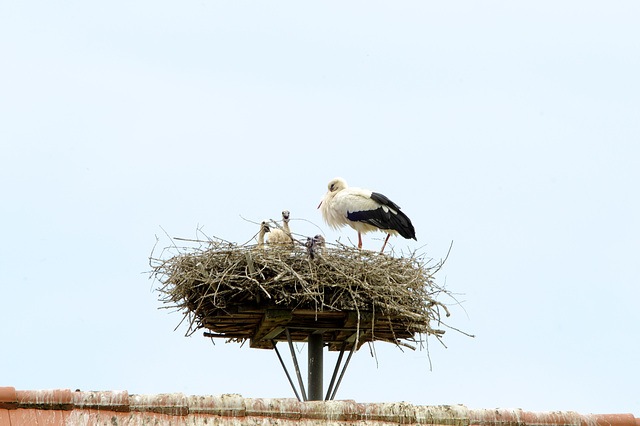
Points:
[510,128]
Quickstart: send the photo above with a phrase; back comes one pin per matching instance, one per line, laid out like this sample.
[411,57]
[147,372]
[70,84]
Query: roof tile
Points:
[113,400]
[4,417]
[62,406]
[8,397]
[220,405]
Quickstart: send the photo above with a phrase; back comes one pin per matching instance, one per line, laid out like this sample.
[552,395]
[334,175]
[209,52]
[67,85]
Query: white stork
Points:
[278,236]
[264,228]
[364,211]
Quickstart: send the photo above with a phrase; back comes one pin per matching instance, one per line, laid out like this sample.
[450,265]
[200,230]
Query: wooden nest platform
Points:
[263,294]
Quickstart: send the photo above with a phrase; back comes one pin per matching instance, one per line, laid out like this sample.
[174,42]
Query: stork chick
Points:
[314,245]
[278,236]
[264,228]
[285,220]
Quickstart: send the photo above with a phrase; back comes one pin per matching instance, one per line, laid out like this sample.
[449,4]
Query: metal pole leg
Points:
[295,364]
[284,367]
[315,349]
[346,363]
[335,370]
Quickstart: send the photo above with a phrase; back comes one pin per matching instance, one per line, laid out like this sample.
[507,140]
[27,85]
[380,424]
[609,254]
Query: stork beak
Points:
[320,204]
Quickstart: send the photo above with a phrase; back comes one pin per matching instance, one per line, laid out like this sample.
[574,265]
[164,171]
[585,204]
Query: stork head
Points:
[264,227]
[285,215]
[337,184]
[318,240]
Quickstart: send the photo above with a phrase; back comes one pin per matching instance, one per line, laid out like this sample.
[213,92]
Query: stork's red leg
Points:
[385,243]
[359,240]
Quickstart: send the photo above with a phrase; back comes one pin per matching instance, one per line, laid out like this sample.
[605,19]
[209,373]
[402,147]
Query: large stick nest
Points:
[352,295]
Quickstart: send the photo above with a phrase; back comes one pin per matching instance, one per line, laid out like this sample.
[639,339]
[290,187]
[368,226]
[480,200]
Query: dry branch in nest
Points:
[245,292]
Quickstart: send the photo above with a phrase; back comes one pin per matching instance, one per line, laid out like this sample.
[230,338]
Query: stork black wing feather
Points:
[382,199]
[396,219]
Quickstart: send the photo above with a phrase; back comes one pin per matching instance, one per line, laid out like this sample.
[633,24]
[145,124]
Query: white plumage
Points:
[264,228]
[364,211]
[278,236]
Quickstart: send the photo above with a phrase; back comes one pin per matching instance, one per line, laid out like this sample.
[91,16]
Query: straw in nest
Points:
[245,292]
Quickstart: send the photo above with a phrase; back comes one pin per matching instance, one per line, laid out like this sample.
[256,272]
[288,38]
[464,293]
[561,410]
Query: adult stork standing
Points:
[364,211]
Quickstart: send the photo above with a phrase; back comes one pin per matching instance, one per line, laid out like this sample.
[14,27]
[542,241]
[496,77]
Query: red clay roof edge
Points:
[177,404]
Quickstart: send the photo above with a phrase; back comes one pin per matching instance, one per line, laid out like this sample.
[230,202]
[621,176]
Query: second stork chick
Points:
[278,236]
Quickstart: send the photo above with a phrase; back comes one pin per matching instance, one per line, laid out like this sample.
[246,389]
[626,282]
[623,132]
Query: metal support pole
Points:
[335,371]
[295,364]
[315,349]
[346,363]
[284,367]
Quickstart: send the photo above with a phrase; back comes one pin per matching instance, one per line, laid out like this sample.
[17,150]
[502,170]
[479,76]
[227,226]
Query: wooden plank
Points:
[272,318]
[260,324]
[351,323]
[277,331]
